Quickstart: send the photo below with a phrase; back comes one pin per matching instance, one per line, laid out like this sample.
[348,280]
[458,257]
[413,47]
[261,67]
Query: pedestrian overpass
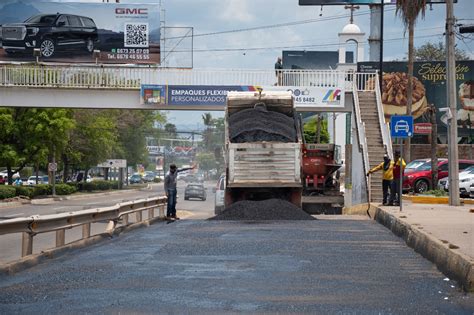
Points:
[118,87]
[363,136]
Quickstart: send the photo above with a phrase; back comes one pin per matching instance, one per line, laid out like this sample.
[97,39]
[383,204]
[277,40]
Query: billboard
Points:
[429,85]
[343,2]
[216,95]
[74,32]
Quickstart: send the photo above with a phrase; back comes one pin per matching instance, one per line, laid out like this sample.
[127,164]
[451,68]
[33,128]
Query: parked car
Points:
[195,190]
[417,176]
[41,180]
[50,33]
[219,195]
[135,179]
[148,177]
[472,191]
[466,179]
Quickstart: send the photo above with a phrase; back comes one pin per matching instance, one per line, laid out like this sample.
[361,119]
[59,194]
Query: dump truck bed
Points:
[263,164]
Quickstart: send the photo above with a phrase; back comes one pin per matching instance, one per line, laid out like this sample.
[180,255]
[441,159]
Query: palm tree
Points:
[208,122]
[409,10]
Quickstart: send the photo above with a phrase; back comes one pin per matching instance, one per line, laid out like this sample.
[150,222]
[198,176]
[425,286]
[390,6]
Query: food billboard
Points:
[342,2]
[429,87]
[78,32]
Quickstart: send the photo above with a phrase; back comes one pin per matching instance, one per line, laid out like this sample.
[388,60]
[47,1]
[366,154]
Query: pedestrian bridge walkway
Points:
[115,86]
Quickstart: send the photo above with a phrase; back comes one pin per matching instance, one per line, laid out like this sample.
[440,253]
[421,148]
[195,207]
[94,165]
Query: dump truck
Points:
[266,155]
[262,147]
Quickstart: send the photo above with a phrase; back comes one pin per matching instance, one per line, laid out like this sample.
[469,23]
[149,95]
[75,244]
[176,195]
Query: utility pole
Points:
[451,100]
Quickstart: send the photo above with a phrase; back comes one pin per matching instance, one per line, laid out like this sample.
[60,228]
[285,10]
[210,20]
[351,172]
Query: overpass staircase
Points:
[376,136]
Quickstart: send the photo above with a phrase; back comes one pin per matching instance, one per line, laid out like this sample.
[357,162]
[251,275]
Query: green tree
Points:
[171,131]
[208,123]
[409,10]
[436,52]
[133,127]
[206,161]
[29,135]
[93,139]
[310,131]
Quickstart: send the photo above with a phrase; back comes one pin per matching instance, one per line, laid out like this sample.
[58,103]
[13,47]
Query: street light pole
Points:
[451,100]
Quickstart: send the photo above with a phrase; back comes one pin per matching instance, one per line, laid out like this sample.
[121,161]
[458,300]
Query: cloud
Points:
[237,11]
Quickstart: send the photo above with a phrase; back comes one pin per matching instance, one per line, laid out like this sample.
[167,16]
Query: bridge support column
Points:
[151,213]
[139,216]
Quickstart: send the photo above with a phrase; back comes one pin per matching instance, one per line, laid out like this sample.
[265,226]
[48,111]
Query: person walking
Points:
[278,68]
[170,190]
[387,166]
[398,169]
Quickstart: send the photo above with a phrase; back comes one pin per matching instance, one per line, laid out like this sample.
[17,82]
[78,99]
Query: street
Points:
[348,265]
[10,245]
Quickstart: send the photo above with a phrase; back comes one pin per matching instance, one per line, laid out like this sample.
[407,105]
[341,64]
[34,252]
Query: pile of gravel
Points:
[271,209]
[259,124]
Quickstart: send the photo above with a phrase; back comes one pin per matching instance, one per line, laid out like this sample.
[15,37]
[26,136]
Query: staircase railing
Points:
[361,135]
[386,138]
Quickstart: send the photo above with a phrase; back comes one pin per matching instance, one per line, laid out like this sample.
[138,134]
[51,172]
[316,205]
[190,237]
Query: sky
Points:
[278,25]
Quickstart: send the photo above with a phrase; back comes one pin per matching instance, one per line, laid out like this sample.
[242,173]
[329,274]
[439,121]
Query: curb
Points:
[36,259]
[453,264]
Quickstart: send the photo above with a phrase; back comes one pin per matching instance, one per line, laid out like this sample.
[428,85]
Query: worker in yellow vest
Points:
[387,167]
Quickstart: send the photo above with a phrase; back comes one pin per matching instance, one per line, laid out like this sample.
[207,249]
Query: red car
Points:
[417,175]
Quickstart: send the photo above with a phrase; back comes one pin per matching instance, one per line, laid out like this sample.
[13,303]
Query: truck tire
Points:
[90,45]
[47,47]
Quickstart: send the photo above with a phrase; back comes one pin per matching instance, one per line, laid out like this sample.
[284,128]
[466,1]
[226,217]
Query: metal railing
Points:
[361,136]
[118,214]
[386,139]
[132,77]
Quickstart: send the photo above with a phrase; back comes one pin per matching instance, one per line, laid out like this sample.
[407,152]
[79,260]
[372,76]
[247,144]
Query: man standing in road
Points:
[170,190]
[398,169]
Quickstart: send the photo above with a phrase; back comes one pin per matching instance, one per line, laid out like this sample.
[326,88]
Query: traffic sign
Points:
[401,126]
[52,167]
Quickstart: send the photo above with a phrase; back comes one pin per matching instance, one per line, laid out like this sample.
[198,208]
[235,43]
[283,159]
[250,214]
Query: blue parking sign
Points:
[401,126]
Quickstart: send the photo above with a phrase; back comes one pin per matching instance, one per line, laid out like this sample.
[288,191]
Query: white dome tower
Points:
[351,32]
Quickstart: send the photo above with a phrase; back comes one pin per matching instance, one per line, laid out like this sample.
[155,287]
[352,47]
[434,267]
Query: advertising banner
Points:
[76,32]
[215,95]
[342,2]
[153,94]
[429,88]
[202,94]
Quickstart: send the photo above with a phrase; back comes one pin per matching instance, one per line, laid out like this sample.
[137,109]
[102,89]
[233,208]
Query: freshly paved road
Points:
[10,245]
[342,265]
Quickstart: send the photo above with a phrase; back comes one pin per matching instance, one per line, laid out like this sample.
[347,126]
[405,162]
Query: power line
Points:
[255,28]
[294,46]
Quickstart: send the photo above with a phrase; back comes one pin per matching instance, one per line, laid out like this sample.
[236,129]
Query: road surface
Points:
[342,266]
[10,245]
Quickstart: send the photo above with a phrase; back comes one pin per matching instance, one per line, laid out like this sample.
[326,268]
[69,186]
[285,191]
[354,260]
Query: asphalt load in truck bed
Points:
[270,209]
[259,124]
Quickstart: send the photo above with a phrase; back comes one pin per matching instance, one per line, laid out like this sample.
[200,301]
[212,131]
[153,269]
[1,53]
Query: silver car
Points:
[220,194]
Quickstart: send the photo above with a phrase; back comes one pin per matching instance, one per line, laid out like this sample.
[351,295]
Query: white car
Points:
[219,197]
[466,179]
[41,180]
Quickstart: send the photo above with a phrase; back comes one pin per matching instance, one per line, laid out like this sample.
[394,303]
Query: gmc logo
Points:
[131,11]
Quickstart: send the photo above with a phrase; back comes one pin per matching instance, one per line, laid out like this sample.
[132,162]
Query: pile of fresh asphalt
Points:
[258,124]
[270,209]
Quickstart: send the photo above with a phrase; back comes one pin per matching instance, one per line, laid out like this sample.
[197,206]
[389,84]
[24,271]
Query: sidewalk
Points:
[441,233]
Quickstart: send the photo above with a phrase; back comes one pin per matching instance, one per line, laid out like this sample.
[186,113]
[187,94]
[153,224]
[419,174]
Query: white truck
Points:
[262,169]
